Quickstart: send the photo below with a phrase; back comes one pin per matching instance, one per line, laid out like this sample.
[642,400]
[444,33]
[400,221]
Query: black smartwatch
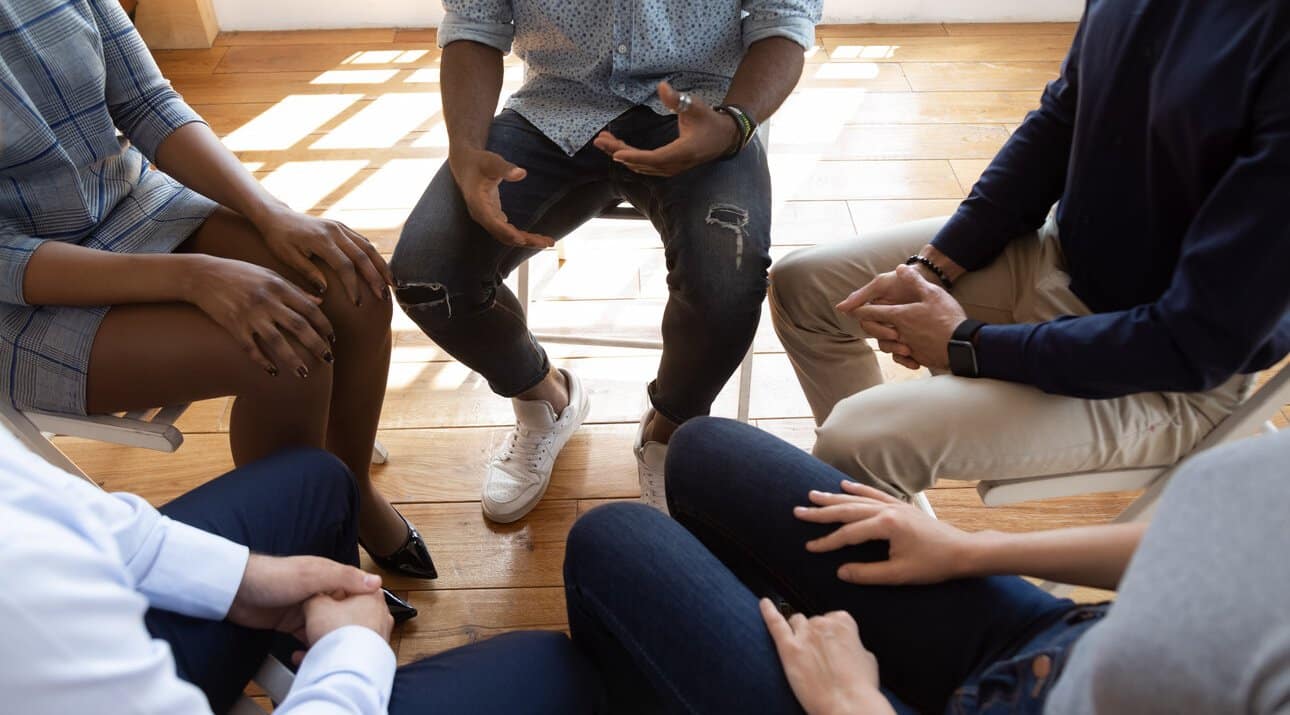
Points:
[962,351]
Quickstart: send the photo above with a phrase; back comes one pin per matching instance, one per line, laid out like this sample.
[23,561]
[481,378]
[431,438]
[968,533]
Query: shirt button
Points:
[622,49]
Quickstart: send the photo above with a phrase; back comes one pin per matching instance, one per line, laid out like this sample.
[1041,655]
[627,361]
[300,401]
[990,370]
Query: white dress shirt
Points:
[81,568]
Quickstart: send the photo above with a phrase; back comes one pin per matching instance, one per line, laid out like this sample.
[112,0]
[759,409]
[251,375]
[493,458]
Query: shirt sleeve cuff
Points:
[15,253]
[798,28]
[196,573]
[497,35]
[354,653]
[961,240]
[1000,351]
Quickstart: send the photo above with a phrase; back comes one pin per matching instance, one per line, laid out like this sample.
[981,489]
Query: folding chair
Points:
[628,212]
[1253,415]
[150,429]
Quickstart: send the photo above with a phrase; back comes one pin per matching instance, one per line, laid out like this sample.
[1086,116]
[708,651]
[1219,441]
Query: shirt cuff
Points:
[498,35]
[961,240]
[797,28]
[15,253]
[1000,351]
[352,651]
[195,573]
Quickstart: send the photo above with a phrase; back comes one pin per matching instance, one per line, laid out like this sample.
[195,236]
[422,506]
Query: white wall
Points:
[312,14]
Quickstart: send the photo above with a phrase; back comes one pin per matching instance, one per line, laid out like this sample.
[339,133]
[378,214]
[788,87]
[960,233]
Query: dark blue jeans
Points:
[668,609]
[304,502]
[714,221]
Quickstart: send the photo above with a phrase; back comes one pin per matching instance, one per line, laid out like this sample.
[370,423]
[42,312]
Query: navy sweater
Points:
[1167,140]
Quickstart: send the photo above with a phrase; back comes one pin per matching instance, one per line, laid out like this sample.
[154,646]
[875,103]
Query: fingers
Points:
[495,168]
[874,312]
[668,96]
[298,657]
[610,144]
[907,362]
[362,262]
[838,513]
[872,574]
[798,623]
[879,331]
[864,294]
[675,152]
[506,233]
[327,576]
[253,351]
[851,534]
[333,255]
[308,270]
[384,276]
[308,324]
[868,492]
[780,632]
[895,348]
[282,354]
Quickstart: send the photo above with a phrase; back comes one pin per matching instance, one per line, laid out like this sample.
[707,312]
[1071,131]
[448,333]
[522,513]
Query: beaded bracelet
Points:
[747,127]
[945,280]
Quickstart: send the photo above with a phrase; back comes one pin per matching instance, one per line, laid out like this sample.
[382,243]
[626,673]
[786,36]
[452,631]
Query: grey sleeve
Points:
[1202,622]
[488,22]
[15,252]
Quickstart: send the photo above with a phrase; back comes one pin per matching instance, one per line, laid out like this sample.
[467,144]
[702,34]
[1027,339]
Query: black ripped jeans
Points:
[714,221]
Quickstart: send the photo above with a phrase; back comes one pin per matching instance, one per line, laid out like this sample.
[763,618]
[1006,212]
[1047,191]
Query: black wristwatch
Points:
[962,351]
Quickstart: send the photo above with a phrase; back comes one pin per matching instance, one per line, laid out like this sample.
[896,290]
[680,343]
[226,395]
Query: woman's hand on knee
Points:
[297,239]
[277,324]
[828,667]
[921,549]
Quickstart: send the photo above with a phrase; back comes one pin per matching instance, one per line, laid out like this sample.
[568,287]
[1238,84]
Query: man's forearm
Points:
[766,76]
[471,79]
[1094,556]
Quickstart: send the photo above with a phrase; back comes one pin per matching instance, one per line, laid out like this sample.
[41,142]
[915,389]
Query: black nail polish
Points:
[327,357]
[332,338]
[385,292]
[302,371]
[359,301]
[319,288]
[273,371]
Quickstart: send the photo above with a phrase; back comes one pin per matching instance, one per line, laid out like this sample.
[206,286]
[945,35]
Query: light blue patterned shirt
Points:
[589,61]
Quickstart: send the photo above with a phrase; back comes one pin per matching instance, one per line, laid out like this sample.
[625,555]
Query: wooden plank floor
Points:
[891,123]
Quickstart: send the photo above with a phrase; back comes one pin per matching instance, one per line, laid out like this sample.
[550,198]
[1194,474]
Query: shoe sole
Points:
[583,411]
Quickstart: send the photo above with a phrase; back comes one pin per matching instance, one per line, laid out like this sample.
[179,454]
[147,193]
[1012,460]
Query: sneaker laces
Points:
[528,448]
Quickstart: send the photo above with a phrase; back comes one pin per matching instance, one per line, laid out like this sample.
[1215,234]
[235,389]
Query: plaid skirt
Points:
[45,350]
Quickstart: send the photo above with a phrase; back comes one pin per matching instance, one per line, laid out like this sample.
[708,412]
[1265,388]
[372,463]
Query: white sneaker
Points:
[650,458]
[520,471]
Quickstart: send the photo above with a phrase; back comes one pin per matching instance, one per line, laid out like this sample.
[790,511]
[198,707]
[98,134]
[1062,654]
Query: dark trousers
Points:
[668,609]
[714,221]
[305,502]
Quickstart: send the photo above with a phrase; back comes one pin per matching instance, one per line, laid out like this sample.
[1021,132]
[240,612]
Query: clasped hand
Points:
[308,597]
[911,318]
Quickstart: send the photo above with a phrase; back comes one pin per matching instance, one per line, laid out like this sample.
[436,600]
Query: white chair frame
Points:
[1252,416]
[623,211]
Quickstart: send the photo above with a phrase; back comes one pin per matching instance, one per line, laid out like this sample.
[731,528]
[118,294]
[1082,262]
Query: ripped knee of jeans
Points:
[431,297]
[731,217]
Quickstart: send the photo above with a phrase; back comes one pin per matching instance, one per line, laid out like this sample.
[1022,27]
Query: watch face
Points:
[963,358]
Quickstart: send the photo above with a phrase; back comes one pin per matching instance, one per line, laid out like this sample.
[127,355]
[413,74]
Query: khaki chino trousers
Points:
[903,436]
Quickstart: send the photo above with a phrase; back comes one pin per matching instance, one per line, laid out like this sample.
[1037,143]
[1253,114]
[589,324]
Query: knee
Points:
[865,438]
[364,323]
[690,450]
[790,285]
[315,476]
[604,537]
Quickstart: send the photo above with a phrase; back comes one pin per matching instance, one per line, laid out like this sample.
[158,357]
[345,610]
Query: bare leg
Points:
[554,389]
[344,402]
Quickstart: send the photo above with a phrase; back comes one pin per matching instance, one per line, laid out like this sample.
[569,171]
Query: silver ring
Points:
[683,102]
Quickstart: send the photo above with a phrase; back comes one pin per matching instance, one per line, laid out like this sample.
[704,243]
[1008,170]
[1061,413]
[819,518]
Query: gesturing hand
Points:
[274,590]
[911,318]
[296,239]
[260,309]
[704,134]
[921,549]
[479,174]
[828,668]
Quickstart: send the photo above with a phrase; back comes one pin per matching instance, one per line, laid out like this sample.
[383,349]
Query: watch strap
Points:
[967,330]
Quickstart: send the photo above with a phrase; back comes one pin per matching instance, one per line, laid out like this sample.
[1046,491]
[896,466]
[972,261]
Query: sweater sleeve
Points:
[15,253]
[1229,293]
[1027,176]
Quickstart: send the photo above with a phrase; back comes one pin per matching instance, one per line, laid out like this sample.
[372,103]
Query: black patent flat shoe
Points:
[400,610]
[410,559]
